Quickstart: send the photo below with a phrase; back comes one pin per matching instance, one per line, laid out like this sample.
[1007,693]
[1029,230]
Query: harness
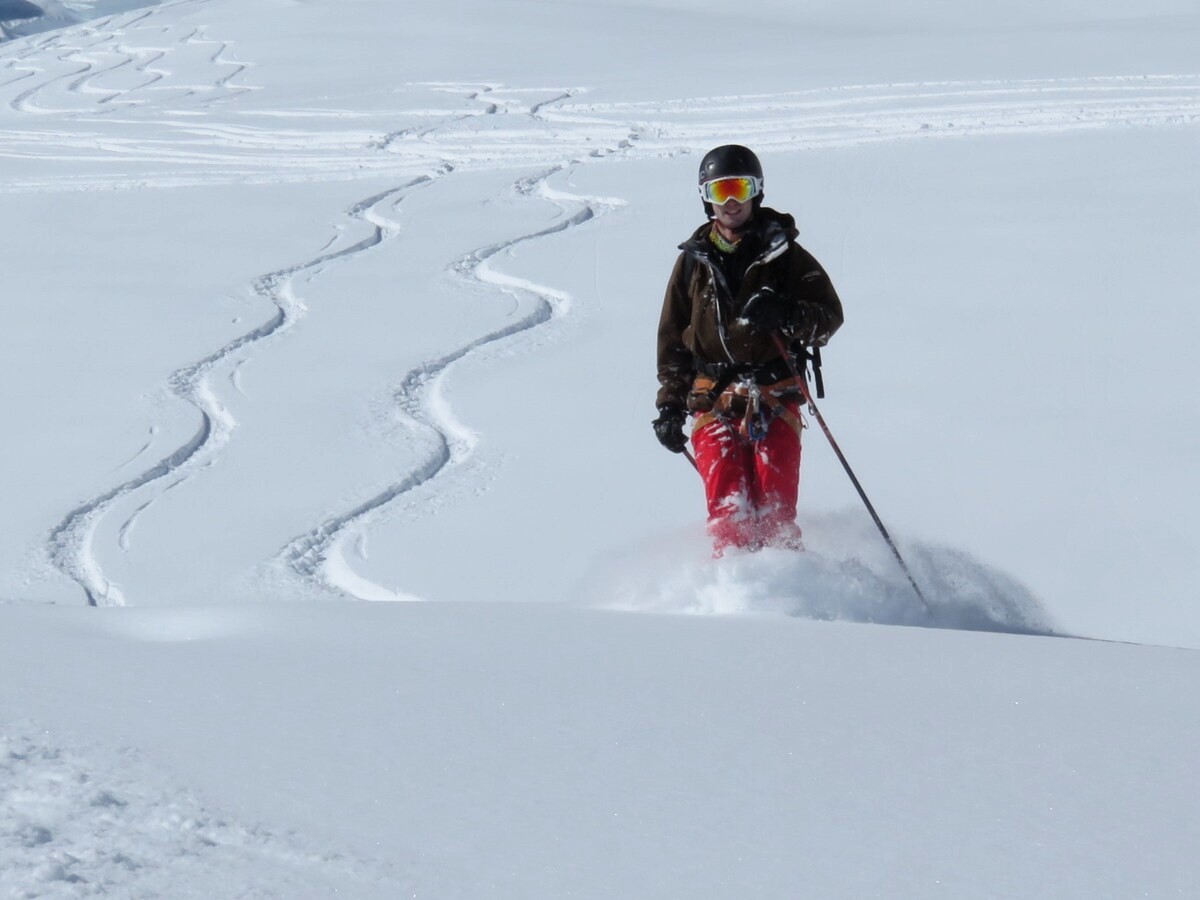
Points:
[747,398]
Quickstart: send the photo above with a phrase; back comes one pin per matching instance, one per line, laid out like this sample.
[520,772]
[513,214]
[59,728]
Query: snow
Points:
[525,750]
[310,305]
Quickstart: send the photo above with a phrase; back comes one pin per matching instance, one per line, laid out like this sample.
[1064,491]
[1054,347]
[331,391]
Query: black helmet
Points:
[727,161]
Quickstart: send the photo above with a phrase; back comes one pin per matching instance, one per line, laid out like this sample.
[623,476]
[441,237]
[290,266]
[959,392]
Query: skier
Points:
[740,284]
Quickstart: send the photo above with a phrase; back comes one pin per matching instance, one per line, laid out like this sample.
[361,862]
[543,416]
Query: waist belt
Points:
[725,374]
[745,407]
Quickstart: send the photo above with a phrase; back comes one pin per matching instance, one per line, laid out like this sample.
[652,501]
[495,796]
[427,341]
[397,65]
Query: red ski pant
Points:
[751,486]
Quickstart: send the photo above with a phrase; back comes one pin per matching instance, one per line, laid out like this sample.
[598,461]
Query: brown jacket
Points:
[702,319]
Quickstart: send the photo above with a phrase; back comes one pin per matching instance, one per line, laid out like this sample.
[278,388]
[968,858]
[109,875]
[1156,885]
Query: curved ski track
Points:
[70,542]
[90,73]
[417,397]
[69,545]
[84,54]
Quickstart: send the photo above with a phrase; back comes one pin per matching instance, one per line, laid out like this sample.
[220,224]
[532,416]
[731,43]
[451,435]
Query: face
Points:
[732,216]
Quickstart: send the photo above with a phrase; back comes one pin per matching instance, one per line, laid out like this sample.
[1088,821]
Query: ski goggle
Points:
[722,190]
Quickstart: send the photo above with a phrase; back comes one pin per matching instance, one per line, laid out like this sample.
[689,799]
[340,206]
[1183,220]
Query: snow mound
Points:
[27,18]
[19,18]
[847,573]
[19,9]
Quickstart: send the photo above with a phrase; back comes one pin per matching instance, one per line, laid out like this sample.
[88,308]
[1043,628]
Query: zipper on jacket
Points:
[715,272]
[769,255]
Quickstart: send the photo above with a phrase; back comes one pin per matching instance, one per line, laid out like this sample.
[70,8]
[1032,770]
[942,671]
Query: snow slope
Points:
[309,304]
[471,750]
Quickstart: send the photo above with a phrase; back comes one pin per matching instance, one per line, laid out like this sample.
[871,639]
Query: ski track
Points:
[109,92]
[320,554]
[70,542]
[70,61]
[178,151]
[69,546]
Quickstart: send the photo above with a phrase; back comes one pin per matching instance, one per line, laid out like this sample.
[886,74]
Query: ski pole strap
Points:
[815,356]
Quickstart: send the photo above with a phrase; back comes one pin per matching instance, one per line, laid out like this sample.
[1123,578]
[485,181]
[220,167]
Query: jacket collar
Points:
[770,229]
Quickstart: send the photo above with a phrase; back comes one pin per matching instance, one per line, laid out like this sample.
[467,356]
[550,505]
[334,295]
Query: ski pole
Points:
[812,406]
[688,454]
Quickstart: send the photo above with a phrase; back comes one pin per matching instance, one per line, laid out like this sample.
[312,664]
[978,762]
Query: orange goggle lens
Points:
[723,190]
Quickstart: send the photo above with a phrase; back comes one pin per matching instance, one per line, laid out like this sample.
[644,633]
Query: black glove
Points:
[668,428]
[768,313]
[811,325]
